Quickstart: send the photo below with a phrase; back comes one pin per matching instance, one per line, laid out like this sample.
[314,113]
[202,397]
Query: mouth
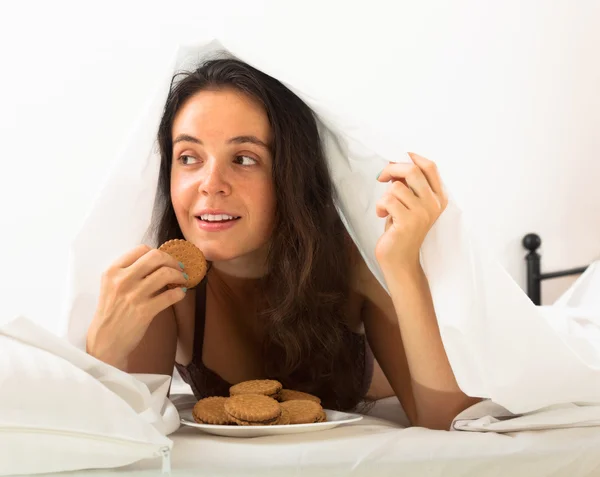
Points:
[217,218]
[218,222]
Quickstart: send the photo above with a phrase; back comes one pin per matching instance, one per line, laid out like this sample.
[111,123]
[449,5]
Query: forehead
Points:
[222,111]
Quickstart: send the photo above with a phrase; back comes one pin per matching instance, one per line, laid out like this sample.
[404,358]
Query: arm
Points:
[403,333]
[411,206]
[134,327]
[155,354]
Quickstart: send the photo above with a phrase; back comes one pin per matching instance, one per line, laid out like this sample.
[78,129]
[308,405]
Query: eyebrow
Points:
[234,140]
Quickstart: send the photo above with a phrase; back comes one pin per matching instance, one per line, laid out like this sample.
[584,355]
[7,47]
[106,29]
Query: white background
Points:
[504,96]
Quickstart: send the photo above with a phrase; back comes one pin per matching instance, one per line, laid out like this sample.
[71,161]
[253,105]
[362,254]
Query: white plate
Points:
[334,419]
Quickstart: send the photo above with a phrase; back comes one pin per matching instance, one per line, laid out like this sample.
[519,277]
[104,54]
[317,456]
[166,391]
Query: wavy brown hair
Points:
[308,345]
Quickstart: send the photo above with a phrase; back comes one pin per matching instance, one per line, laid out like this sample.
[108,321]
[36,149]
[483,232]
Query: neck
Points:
[225,268]
[251,267]
[237,290]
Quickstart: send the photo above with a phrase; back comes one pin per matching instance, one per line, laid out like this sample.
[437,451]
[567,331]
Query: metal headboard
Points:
[534,275]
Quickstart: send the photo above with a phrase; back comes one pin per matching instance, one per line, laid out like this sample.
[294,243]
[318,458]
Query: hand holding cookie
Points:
[134,290]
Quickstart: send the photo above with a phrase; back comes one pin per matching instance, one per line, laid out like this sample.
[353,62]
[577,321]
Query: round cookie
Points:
[211,410]
[265,387]
[303,412]
[291,395]
[192,258]
[284,419]
[253,410]
[322,417]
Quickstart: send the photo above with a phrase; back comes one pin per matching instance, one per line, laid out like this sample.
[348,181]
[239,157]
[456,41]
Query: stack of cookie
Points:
[260,403]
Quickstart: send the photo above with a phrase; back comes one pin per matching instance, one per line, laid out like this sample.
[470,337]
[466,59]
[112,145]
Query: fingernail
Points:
[181,265]
[379,174]
[185,275]
[184,289]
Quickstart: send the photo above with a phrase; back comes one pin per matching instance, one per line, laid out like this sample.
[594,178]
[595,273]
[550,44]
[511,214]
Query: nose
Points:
[214,179]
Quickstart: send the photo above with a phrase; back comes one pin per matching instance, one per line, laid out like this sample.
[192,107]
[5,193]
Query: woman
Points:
[243,176]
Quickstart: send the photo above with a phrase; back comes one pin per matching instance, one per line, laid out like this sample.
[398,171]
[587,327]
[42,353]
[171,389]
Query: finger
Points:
[430,171]
[411,173]
[405,195]
[390,206]
[131,257]
[418,184]
[160,278]
[153,260]
[164,300]
[394,170]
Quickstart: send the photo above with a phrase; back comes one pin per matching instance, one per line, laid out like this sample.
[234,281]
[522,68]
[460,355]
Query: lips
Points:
[217,217]
[216,222]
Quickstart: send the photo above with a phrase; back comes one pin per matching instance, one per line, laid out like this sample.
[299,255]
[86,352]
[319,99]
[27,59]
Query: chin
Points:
[227,249]
[218,254]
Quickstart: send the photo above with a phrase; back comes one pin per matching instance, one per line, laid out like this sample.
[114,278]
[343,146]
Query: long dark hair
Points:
[308,345]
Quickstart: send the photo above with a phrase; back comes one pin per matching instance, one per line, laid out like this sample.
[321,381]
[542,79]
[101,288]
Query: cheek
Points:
[182,193]
[263,203]
[269,204]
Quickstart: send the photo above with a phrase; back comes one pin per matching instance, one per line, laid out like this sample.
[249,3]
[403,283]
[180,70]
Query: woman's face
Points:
[221,180]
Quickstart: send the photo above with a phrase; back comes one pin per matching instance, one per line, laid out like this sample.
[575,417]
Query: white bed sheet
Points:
[377,446]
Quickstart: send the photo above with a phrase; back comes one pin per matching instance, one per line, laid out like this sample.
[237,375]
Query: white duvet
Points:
[74,412]
[500,345]
[379,447]
[538,366]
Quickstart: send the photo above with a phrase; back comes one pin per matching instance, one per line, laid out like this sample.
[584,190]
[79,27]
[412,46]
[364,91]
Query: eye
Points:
[186,160]
[245,160]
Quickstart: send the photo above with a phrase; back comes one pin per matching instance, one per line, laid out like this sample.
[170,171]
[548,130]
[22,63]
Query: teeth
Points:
[216,218]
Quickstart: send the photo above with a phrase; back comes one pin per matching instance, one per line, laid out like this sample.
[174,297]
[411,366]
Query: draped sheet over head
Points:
[499,344]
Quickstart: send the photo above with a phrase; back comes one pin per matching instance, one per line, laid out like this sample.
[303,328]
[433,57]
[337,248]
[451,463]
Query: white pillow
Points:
[55,415]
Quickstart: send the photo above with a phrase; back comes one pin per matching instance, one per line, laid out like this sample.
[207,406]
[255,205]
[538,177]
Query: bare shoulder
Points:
[364,282]
[357,264]
[380,324]
[364,288]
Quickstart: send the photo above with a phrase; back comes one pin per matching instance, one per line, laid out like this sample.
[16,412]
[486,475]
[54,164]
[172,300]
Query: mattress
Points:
[377,446]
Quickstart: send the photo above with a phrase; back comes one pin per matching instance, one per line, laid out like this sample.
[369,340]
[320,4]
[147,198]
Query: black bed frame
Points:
[534,275]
